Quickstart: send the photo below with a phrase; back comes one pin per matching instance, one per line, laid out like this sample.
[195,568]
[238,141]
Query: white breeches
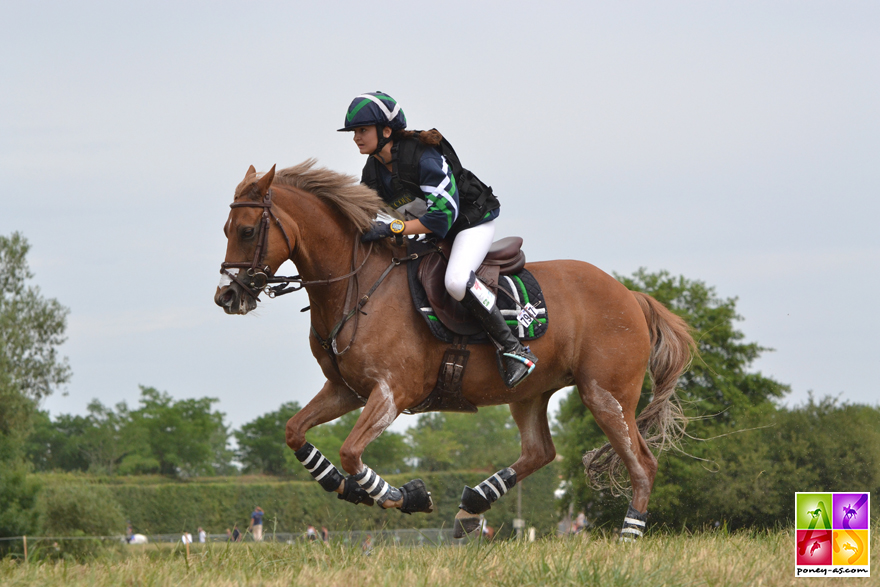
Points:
[468,250]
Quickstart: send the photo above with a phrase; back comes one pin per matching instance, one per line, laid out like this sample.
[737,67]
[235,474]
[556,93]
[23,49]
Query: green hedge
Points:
[172,507]
[79,510]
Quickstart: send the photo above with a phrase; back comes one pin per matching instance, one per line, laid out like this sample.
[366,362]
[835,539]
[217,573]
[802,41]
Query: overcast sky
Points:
[735,143]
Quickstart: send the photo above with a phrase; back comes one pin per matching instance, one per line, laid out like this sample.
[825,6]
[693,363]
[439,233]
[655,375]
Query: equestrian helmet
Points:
[374,108]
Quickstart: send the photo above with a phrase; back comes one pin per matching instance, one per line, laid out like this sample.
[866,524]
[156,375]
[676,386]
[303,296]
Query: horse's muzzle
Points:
[233,300]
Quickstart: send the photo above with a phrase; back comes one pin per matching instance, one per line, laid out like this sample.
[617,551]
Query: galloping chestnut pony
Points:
[377,352]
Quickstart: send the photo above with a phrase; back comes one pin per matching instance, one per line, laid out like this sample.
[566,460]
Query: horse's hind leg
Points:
[334,400]
[537,450]
[614,412]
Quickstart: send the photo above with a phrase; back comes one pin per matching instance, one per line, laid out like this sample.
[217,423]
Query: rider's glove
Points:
[382,230]
[378,231]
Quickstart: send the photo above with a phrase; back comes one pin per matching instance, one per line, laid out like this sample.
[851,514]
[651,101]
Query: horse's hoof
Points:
[465,523]
[416,498]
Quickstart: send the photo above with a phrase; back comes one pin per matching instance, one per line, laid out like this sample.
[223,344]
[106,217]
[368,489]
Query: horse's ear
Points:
[266,181]
[249,176]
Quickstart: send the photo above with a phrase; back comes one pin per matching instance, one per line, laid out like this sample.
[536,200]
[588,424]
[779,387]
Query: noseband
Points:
[258,276]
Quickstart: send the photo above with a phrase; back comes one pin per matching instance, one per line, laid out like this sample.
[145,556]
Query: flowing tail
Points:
[662,423]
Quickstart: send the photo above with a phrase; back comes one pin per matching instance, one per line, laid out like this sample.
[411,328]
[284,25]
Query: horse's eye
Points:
[247,232]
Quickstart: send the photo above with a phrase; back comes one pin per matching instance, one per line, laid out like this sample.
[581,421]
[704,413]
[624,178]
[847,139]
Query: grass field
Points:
[712,559]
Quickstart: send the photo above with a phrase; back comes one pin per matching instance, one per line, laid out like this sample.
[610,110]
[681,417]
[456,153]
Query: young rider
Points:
[409,172]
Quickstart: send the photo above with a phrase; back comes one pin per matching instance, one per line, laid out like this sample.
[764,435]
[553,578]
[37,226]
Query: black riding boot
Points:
[515,362]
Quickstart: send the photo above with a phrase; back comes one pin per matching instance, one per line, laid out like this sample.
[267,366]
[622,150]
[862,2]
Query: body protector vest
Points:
[475,199]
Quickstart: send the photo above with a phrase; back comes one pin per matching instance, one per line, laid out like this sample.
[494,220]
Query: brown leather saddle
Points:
[505,257]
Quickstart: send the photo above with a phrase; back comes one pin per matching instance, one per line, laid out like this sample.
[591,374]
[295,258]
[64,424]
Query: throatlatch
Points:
[480,499]
[323,471]
[633,524]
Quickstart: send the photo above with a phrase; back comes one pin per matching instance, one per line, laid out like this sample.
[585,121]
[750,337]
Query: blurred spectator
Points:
[367,545]
[234,535]
[256,525]
[579,524]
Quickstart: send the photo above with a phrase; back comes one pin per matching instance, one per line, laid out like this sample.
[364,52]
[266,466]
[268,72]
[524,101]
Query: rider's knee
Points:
[456,283]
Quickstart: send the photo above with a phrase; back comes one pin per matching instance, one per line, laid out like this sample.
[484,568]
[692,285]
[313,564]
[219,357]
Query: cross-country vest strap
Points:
[405,173]
[405,156]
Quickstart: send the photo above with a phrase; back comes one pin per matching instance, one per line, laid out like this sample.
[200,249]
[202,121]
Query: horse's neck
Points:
[323,238]
[324,250]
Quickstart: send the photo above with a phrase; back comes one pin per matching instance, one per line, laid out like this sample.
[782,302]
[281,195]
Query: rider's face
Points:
[366,139]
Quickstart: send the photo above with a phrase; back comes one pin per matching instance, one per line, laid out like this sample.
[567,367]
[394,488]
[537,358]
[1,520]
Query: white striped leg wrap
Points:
[376,487]
[497,485]
[633,525]
[319,467]
[480,499]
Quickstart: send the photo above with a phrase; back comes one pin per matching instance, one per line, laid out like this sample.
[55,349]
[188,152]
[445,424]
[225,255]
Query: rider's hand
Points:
[378,231]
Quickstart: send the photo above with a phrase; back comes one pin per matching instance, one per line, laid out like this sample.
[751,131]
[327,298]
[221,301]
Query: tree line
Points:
[188,438]
[744,455]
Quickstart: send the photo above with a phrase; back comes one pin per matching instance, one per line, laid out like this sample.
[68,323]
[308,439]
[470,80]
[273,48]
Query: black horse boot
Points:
[515,362]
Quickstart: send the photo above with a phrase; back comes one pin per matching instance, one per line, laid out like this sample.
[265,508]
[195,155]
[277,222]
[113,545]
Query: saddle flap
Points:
[505,257]
[432,274]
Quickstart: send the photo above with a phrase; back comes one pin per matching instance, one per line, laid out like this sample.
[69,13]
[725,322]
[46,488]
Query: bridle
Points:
[258,276]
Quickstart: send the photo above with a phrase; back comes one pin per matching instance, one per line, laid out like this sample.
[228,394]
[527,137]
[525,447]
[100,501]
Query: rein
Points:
[329,344]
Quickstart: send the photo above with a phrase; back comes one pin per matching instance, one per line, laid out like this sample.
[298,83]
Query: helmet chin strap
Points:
[383,140]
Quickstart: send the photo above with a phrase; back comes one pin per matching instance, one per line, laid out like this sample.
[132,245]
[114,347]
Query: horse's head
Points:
[254,249]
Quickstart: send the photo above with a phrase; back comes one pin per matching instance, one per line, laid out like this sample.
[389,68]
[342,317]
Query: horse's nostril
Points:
[226,299]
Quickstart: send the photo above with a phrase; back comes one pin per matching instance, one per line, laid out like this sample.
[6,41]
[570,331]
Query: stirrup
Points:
[525,360]
[524,357]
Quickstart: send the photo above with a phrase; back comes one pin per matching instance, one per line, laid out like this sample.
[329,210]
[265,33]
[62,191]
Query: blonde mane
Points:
[357,202]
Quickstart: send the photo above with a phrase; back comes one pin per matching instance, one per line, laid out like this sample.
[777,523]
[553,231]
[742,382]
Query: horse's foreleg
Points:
[379,413]
[537,450]
[334,400]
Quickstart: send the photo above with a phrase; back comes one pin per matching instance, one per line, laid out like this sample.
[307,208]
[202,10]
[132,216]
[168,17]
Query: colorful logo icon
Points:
[833,536]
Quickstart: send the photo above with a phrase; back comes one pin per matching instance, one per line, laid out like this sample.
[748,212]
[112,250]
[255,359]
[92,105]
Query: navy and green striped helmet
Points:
[374,108]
